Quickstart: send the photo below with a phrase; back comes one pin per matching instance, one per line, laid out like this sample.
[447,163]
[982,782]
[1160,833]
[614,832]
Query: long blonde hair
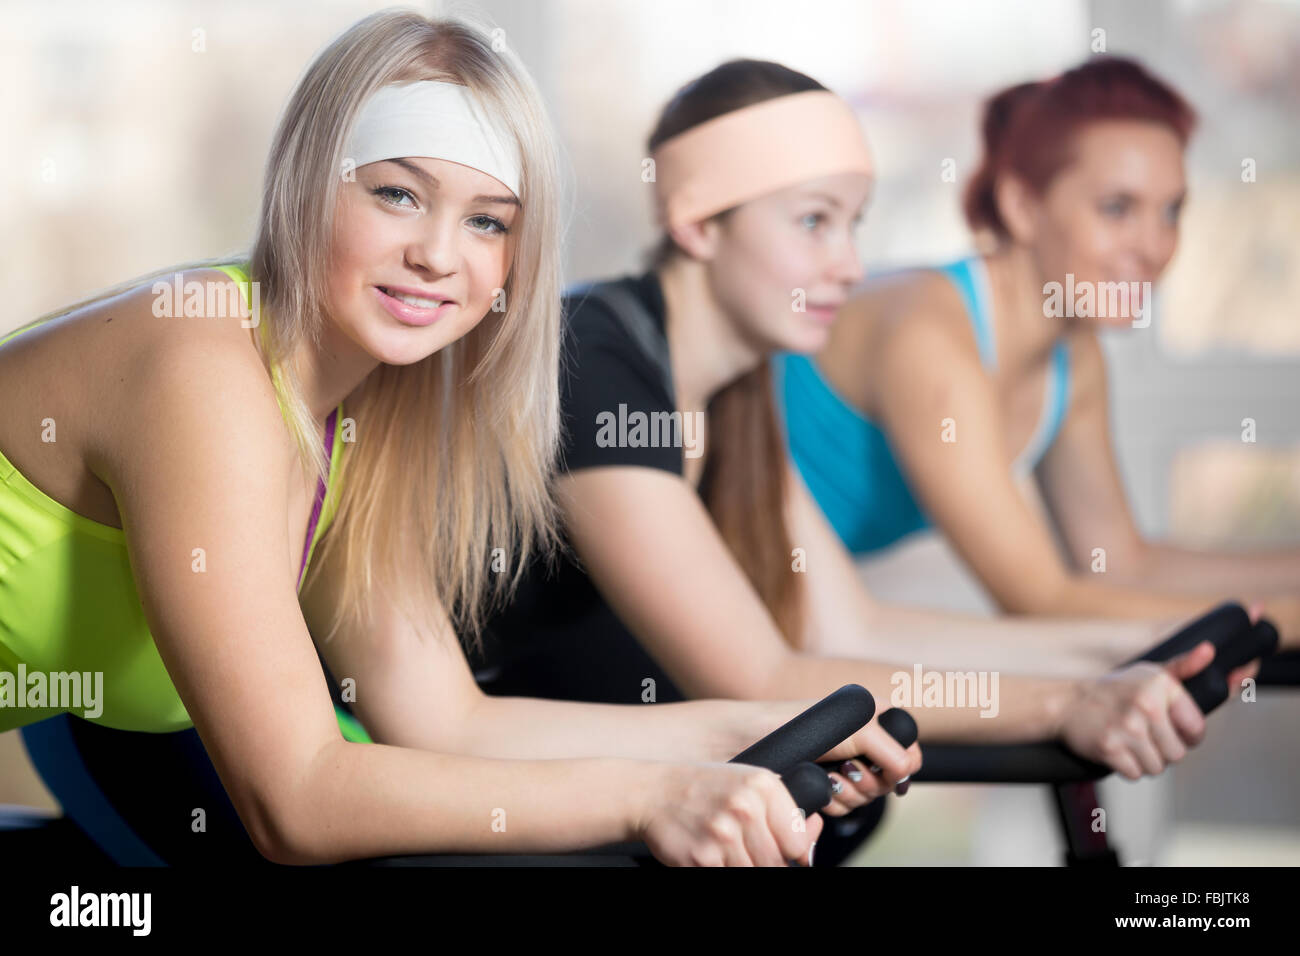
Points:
[453,454]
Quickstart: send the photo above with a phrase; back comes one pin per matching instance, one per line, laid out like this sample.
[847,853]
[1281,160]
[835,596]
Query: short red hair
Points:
[1029,129]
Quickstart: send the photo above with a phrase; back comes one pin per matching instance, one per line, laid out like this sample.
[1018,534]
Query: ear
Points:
[1018,205]
[699,240]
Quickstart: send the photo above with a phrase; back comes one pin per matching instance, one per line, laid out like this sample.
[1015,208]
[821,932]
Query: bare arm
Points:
[1135,719]
[680,591]
[417,690]
[1172,568]
[929,376]
[843,619]
[199,461]
[1081,485]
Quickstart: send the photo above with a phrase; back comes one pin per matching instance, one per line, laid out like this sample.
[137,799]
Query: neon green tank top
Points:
[69,607]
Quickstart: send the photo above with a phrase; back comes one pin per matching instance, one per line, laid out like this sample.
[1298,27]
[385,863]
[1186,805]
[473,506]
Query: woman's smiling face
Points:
[421,249]
[1111,216]
[786,261]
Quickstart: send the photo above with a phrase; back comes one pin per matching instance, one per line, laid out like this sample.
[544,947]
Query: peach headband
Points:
[756,150]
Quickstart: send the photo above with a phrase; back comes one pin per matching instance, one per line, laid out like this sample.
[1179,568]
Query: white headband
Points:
[435,119]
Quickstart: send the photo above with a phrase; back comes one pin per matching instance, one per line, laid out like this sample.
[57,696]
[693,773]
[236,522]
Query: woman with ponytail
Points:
[698,565]
[940,391]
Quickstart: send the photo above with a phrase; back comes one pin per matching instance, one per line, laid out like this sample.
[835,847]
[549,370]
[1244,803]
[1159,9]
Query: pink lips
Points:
[824,314]
[410,314]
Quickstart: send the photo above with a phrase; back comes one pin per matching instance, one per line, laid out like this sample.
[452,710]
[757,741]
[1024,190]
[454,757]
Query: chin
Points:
[807,340]
[399,359]
[1115,322]
[409,356]
[388,349]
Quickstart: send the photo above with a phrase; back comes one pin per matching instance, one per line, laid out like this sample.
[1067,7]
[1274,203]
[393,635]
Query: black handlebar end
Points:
[899,724]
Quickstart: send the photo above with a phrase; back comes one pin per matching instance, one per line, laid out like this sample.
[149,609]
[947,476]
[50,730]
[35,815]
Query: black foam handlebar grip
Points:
[1276,670]
[1218,626]
[1280,670]
[1259,642]
[821,727]
[899,724]
[1006,763]
[1235,640]
[809,786]
[1209,688]
[896,722]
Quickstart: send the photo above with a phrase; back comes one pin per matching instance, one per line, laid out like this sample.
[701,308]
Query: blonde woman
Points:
[400,307]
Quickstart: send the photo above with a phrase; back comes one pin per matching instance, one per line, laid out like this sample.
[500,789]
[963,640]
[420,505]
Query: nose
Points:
[437,247]
[847,267]
[1155,245]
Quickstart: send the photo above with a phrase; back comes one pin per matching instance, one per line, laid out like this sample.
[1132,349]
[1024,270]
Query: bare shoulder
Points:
[177,367]
[892,315]
[908,324]
[923,303]
[202,424]
[90,370]
[89,349]
[203,305]
[899,304]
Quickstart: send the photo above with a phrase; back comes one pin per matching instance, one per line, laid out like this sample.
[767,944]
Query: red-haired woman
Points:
[939,390]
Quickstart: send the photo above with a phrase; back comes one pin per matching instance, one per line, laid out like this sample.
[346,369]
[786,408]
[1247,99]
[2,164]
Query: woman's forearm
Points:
[1040,646]
[970,706]
[1114,600]
[1171,568]
[1100,596]
[367,800]
[988,707]
[531,728]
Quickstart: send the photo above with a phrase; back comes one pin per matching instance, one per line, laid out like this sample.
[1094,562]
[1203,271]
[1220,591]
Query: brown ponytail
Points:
[744,488]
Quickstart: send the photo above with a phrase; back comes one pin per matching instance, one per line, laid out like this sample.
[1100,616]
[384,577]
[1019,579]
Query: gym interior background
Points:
[140,132]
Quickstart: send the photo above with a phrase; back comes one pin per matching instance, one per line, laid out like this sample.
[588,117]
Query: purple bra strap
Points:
[320,495]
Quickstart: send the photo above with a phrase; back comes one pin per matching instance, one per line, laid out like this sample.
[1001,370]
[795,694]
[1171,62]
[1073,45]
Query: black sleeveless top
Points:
[559,638]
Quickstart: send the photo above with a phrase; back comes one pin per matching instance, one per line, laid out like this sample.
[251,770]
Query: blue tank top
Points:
[846,459]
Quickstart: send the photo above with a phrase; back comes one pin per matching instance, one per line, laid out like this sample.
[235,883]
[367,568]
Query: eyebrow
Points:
[834,202]
[1131,196]
[432,181]
[818,194]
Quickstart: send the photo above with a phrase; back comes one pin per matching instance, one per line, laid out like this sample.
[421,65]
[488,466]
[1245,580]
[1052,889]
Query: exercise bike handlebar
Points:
[821,727]
[790,749]
[1236,642]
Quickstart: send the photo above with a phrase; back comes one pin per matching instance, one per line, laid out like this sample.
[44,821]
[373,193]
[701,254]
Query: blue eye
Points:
[381,191]
[1174,211]
[1115,208]
[494,226]
[816,217]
